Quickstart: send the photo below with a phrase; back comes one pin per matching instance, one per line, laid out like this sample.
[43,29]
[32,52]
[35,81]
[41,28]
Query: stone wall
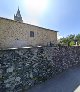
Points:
[22,68]
[16,34]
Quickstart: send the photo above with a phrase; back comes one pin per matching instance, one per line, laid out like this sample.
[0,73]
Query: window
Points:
[31,34]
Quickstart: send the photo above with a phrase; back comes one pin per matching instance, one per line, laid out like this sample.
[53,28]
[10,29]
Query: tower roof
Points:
[18,16]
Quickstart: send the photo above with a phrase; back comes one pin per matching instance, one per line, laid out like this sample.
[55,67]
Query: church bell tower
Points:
[18,17]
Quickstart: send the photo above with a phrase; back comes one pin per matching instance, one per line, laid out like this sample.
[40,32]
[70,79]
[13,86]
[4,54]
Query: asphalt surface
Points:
[68,81]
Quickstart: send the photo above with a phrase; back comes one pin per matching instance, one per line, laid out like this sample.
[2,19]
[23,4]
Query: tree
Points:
[70,40]
[78,38]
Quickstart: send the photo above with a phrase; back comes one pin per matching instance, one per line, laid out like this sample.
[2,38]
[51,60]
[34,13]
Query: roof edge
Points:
[28,24]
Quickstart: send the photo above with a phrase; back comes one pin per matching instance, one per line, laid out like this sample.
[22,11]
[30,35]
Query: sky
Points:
[59,15]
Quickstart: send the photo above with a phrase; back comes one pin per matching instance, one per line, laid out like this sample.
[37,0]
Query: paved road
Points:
[68,81]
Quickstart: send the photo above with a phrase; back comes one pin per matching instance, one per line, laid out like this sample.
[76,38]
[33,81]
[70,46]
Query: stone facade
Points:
[22,68]
[17,34]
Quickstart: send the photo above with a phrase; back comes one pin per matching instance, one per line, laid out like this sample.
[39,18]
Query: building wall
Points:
[16,34]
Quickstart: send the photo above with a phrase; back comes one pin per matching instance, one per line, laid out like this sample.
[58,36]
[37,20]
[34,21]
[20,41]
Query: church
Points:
[16,34]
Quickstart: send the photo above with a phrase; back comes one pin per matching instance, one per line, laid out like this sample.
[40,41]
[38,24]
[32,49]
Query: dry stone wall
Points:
[23,68]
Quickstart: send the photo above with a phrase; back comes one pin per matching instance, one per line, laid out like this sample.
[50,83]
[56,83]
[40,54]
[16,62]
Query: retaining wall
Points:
[22,68]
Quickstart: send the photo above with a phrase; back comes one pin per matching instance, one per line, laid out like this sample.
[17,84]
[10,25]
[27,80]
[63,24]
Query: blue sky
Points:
[59,15]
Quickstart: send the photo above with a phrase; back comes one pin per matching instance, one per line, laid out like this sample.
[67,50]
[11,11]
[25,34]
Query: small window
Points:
[31,34]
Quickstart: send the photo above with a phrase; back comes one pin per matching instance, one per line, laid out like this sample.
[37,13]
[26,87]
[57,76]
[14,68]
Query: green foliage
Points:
[78,38]
[72,43]
[70,40]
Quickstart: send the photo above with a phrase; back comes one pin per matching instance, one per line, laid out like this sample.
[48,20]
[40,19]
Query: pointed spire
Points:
[18,11]
[18,16]
[18,8]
